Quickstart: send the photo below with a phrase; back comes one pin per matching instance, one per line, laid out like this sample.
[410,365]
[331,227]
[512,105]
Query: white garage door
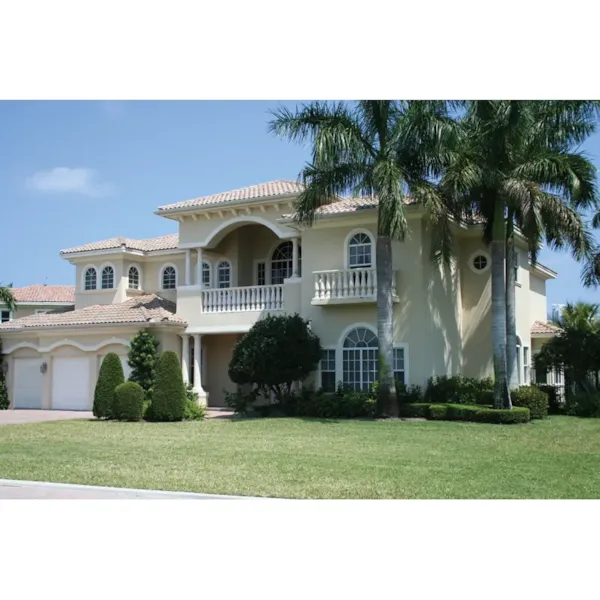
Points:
[71,383]
[28,383]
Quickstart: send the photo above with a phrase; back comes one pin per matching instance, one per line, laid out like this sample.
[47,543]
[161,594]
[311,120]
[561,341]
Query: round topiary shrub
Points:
[110,376]
[169,395]
[531,397]
[129,400]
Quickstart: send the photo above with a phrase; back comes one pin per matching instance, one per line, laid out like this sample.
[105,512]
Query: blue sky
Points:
[78,172]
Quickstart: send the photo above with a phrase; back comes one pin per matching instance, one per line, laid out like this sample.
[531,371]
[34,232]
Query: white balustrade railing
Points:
[349,283]
[241,299]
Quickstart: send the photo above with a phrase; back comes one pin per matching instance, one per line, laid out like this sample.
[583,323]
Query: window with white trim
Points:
[399,366]
[360,359]
[526,365]
[360,250]
[519,362]
[480,262]
[205,274]
[261,273]
[133,278]
[108,278]
[328,370]
[224,274]
[90,279]
[169,278]
[5,316]
[282,264]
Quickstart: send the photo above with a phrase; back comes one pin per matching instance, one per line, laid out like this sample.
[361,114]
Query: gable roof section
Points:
[142,309]
[44,293]
[539,328]
[164,242]
[271,189]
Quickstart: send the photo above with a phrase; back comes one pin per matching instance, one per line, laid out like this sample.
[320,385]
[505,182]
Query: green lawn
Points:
[294,458]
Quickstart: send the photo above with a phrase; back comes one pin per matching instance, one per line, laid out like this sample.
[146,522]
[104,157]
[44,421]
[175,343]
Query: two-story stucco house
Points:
[238,256]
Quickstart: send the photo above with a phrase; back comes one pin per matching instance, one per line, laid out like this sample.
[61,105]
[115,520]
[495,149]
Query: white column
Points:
[295,265]
[197,371]
[199,268]
[185,357]
[188,266]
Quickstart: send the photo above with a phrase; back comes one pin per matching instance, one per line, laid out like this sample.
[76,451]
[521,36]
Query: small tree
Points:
[169,394]
[3,391]
[275,353]
[110,376]
[142,357]
[129,402]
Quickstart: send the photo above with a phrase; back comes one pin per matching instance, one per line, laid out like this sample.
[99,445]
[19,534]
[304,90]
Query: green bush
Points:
[556,406]
[169,394]
[414,410]
[486,414]
[584,404]
[142,357]
[409,394]
[110,376]
[459,389]
[193,411]
[533,398]
[240,402]
[147,412]
[129,402]
[343,404]
[3,390]
[439,412]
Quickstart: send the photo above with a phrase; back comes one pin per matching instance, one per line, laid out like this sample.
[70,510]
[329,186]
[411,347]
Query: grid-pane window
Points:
[90,279]
[399,368]
[359,251]
[4,316]
[328,370]
[169,278]
[360,359]
[133,278]
[224,274]
[558,377]
[261,273]
[108,278]
[282,263]
[205,275]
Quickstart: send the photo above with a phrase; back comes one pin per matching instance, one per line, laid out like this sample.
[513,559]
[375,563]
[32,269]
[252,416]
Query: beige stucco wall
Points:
[217,352]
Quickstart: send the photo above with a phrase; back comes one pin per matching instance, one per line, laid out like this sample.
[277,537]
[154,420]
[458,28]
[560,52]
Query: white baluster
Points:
[363,282]
[374,282]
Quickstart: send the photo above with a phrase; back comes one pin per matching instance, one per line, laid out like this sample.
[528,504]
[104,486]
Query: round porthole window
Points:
[480,262]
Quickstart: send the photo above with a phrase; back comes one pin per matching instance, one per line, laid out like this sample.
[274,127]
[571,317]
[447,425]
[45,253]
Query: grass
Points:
[295,458]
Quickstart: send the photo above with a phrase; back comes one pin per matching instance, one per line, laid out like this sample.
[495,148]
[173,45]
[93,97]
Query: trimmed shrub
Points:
[439,412]
[3,390]
[147,412]
[556,405]
[459,389]
[240,402]
[142,357]
[414,410]
[110,376]
[409,394]
[584,404]
[169,394]
[486,414]
[193,411]
[344,404]
[129,402]
[533,398]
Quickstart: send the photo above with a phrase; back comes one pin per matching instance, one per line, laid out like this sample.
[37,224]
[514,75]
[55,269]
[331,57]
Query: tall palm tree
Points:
[382,148]
[516,168]
[584,316]
[6,297]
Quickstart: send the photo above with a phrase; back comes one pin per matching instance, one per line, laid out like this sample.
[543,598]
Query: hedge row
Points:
[465,412]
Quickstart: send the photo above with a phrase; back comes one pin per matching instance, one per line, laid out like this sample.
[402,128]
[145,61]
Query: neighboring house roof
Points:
[280,187]
[165,242]
[44,293]
[142,309]
[541,328]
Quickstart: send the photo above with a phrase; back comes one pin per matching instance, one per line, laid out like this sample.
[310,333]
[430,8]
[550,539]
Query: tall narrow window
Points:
[359,359]
[282,262]
[526,365]
[360,251]
[4,316]
[133,278]
[224,274]
[399,368]
[328,370]
[519,362]
[205,275]
[261,273]
[108,278]
[90,279]
[169,278]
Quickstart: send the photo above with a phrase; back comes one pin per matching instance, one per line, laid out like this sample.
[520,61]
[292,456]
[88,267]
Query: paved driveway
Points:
[18,417]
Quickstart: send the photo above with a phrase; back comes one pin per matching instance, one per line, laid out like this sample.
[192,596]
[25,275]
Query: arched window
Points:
[205,275]
[108,278]
[90,279]
[169,278]
[360,250]
[133,278]
[224,274]
[359,359]
[282,264]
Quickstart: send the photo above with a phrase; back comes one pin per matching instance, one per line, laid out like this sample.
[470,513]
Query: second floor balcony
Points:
[242,299]
[347,286]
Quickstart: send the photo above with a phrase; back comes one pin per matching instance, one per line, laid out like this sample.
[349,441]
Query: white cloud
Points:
[64,180]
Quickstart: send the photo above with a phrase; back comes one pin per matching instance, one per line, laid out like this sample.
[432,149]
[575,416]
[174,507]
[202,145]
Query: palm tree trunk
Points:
[387,401]
[501,392]
[511,324]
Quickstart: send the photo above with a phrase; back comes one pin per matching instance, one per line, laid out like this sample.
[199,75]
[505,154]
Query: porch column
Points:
[295,256]
[185,357]
[188,266]
[199,267]
[197,371]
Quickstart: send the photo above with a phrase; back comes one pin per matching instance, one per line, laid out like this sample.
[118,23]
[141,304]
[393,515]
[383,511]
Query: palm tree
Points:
[6,297]
[516,168]
[381,148]
[583,316]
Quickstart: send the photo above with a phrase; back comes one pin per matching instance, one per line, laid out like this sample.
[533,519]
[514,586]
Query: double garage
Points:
[61,380]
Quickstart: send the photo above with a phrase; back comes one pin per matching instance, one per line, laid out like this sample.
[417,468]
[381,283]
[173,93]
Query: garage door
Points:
[29,381]
[71,383]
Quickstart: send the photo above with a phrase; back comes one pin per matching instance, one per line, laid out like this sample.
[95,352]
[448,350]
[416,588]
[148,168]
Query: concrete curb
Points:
[125,491]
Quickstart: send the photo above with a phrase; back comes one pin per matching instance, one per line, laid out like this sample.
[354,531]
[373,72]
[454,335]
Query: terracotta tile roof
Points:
[44,293]
[350,205]
[280,187]
[142,309]
[540,327]
[165,242]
